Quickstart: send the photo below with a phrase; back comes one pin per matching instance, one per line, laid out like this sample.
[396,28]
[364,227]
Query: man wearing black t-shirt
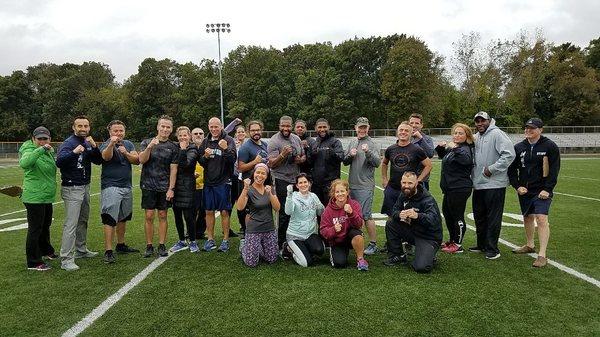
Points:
[401,157]
[159,158]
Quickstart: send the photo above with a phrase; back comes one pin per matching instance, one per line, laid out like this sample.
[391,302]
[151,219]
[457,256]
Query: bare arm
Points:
[427,166]
[384,172]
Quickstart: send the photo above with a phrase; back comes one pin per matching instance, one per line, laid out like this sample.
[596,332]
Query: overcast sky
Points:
[121,33]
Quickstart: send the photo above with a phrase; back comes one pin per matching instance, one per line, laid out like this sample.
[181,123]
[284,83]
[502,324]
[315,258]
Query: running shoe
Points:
[224,247]
[210,245]
[194,247]
[149,251]
[371,249]
[109,257]
[179,245]
[40,267]
[362,265]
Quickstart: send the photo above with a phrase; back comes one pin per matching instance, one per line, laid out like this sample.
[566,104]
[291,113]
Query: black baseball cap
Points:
[534,123]
[41,132]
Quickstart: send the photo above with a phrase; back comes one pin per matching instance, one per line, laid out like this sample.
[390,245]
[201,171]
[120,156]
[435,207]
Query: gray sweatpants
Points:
[77,212]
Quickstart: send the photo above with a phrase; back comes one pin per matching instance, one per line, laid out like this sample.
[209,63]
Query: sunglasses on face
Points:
[42,138]
[198,133]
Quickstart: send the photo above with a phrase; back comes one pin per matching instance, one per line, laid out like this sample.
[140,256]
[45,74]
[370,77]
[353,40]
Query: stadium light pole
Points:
[219,28]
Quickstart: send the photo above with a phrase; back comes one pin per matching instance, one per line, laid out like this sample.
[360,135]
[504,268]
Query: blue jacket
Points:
[76,169]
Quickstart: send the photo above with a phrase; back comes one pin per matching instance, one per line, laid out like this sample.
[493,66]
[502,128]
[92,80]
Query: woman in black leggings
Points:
[185,187]
[456,184]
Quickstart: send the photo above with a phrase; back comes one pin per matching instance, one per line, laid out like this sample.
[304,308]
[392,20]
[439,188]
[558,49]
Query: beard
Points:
[409,191]
[256,138]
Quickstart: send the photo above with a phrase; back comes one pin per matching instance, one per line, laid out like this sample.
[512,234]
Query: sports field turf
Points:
[215,294]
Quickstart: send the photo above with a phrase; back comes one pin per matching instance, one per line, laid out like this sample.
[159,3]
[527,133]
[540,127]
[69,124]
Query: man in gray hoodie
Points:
[494,152]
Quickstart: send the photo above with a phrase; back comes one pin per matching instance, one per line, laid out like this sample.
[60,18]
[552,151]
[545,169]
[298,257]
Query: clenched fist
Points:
[223,144]
[348,208]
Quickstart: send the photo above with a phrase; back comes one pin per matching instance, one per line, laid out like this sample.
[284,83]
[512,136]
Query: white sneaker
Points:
[69,266]
[88,254]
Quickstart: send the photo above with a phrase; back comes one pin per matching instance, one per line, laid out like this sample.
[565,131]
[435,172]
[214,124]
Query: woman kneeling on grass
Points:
[302,233]
[340,226]
[261,237]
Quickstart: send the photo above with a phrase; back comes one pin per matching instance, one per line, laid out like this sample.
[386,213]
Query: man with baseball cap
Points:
[534,175]
[494,152]
[362,154]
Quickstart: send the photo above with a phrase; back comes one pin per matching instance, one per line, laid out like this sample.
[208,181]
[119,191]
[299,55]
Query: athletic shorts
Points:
[365,199]
[532,204]
[390,196]
[116,205]
[217,198]
[155,200]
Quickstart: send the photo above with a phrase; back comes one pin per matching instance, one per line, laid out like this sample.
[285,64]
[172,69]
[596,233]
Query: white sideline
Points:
[560,266]
[54,203]
[100,310]
[577,196]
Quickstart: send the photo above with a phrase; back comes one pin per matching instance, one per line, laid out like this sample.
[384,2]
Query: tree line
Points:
[383,78]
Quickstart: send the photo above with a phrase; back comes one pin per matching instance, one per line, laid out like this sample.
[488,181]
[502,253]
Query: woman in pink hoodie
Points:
[340,227]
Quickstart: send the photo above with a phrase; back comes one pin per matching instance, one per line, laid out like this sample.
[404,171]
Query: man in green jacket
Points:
[36,158]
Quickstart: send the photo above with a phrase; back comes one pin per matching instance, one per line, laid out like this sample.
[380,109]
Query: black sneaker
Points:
[395,260]
[149,251]
[109,257]
[124,249]
[162,250]
[476,249]
[384,248]
[285,252]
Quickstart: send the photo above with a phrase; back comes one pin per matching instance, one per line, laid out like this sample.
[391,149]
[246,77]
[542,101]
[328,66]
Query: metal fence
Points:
[11,149]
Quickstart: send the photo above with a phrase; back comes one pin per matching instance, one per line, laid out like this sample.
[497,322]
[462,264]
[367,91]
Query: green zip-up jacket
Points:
[39,182]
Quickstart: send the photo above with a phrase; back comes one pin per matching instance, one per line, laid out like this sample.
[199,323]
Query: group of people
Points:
[288,192]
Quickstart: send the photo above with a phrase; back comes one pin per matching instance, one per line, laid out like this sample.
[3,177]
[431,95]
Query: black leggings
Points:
[304,250]
[453,208]
[39,219]
[339,252]
[190,220]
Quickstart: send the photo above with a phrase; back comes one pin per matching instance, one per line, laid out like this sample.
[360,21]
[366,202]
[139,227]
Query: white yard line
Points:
[100,310]
[582,178]
[577,196]
[560,266]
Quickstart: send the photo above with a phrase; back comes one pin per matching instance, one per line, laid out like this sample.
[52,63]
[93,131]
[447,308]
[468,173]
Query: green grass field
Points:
[215,294]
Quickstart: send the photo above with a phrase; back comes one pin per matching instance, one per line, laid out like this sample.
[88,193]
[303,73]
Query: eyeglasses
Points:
[258,130]
[42,138]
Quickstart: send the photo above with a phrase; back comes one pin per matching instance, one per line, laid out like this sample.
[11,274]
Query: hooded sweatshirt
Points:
[303,211]
[362,166]
[326,155]
[334,214]
[428,224]
[39,181]
[494,150]
[218,168]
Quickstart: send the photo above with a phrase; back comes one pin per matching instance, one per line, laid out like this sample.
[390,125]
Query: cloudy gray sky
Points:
[121,33]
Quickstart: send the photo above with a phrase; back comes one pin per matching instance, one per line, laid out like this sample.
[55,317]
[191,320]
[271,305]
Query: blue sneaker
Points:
[224,247]
[194,247]
[210,245]
[371,249]
[179,245]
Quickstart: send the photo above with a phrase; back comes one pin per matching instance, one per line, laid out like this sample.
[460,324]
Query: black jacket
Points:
[186,180]
[457,164]
[527,168]
[428,225]
[306,167]
[325,157]
[76,169]
[218,168]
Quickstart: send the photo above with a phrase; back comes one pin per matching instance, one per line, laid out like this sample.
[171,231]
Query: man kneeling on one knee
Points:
[415,219]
